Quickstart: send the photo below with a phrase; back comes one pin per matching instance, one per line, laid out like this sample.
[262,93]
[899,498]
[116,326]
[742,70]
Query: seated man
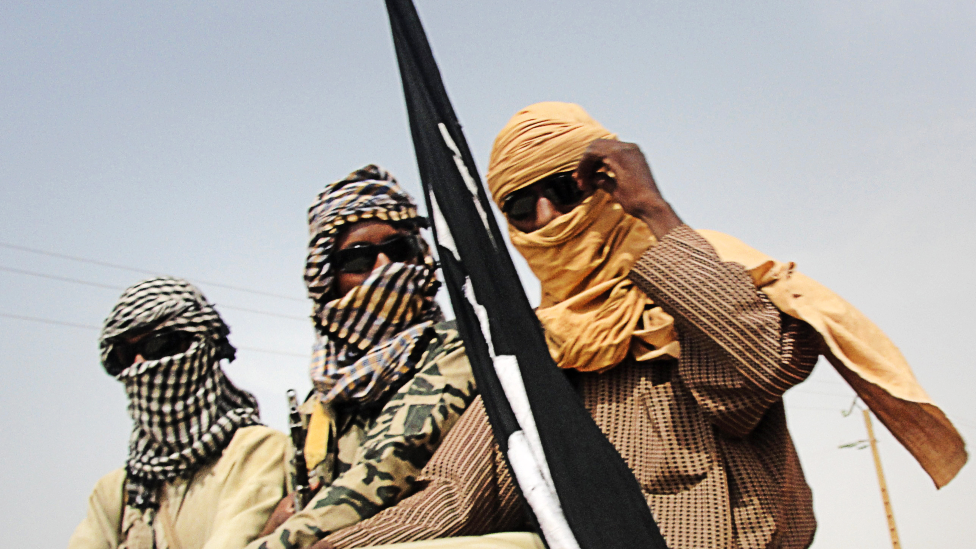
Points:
[202,470]
[390,377]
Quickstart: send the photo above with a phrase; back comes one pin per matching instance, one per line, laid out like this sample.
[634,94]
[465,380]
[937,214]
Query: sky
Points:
[189,139]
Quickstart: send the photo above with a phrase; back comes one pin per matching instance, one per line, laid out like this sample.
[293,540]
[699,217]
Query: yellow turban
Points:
[540,140]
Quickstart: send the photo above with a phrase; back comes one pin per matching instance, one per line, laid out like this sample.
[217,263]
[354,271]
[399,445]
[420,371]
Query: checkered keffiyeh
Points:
[366,339]
[184,409]
[368,193]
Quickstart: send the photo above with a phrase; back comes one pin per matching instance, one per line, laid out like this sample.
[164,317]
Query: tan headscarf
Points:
[588,305]
[581,258]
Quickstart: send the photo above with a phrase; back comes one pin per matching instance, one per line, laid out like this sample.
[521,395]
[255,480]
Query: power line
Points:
[118,289]
[818,408]
[49,321]
[255,349]
[140,271]
[59,278]
[818,393]
[96,328]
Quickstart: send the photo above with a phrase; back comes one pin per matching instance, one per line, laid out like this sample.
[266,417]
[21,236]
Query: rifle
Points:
[298,440]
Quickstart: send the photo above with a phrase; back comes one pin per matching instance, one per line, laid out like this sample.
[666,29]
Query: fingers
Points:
[594,159]
[281,513]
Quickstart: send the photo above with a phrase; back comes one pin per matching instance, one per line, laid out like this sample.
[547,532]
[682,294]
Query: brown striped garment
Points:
[705,435]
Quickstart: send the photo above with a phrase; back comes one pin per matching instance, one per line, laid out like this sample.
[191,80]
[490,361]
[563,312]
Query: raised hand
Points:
[621,170]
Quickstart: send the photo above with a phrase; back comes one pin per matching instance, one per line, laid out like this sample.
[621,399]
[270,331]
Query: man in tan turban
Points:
[681,344]
[681,360]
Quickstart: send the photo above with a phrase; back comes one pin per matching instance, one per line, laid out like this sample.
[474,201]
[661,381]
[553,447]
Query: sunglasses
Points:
[154,346]
[361,258]
[561,189]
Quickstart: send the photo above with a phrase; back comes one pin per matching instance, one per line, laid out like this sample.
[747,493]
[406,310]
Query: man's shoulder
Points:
[445,340]
[257,438]
[109,487]
[447,331]
[445,354]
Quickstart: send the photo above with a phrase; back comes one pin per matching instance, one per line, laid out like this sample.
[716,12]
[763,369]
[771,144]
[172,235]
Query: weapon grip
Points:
[298,441]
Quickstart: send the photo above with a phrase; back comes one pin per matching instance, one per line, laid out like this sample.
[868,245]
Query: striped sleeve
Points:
[739,354]
[465,490]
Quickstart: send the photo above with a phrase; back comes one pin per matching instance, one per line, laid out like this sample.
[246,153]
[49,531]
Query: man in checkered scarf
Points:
[164,342]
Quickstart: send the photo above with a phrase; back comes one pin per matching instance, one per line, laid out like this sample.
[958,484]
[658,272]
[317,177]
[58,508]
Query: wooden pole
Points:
[881,480]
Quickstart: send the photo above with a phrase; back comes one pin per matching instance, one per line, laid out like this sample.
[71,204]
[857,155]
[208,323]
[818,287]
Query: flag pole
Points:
[881,481]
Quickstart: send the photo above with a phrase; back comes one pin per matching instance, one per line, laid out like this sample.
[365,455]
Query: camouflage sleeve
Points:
[406,433]
[466,489]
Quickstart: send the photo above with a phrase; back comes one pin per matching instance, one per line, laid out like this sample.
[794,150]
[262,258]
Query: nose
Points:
[545,212]
[381,260]
[138,359]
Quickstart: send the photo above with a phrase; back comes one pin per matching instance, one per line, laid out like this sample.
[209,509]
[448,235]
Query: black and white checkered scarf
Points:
[366,340]
[184,409]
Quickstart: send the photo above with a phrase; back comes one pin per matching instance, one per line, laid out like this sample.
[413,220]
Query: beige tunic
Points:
[225,504]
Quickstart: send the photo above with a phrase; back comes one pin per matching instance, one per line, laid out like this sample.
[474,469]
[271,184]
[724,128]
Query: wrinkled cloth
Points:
[705,435]
[581,258]
[223,504]
[593,315]
[863,355]
[540,140]
[184,409]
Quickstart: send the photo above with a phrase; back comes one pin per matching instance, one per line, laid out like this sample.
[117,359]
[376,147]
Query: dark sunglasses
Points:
[360,258]
[561,189]
[154,346]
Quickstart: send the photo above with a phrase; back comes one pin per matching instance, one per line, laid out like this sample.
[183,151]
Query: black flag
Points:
[579,488]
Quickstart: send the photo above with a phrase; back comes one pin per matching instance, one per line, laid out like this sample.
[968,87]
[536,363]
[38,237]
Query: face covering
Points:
[592,314]
[184,409]
[368,341]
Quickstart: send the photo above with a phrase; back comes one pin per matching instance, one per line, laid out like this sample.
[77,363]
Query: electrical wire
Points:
[96,328]
[818,393]
[141,271]
[119,289]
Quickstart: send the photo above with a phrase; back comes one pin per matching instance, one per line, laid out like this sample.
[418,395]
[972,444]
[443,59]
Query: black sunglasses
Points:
[154,346]
[360,258]
[561,189]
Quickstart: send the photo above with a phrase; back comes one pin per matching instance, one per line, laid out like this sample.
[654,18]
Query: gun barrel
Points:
[298,440]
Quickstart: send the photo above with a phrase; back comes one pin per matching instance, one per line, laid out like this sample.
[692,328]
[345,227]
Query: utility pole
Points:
[881,480]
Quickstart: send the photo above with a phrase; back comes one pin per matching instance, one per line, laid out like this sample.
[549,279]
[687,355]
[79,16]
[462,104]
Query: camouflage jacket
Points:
[379,451]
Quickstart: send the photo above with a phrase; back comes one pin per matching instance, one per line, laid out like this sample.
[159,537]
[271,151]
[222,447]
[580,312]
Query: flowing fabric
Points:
[184,409]
[863,355]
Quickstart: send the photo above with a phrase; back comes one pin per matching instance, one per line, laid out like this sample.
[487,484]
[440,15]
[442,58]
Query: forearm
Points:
[466,490]
[737,359]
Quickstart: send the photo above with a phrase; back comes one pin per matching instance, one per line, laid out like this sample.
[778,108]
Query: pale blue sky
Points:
[189,139]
